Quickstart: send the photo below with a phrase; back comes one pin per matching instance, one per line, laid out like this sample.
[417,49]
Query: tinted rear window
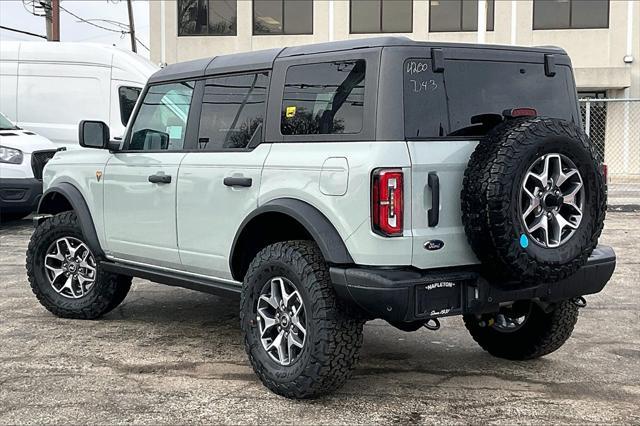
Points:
[475,90]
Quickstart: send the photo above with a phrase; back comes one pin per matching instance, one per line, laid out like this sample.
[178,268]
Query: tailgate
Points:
[447,160]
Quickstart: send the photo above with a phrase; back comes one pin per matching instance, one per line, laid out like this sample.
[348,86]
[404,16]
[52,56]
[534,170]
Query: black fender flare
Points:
[317,225]
[79,206]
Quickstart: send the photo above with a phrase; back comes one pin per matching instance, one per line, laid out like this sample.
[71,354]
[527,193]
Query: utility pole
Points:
[132,27]
[52,17]
[55,18]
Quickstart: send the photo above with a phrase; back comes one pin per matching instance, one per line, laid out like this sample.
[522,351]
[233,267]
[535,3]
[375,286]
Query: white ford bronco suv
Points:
[335,183]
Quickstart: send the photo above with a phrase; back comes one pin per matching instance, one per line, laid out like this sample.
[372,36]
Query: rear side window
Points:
[128,97]
[232,111]
[477,93]
[324,98]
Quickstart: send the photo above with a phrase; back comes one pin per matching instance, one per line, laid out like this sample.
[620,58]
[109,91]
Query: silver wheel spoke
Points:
[569,198]
[563,177]
[292,340]
[56,272]
[283,292]
[296,321]
[276,297]
[267,321]
[534,202]
[542,223]
[277,344]
[68,285]
[83,281]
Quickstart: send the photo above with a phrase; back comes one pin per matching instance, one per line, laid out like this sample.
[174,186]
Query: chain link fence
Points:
[614,128]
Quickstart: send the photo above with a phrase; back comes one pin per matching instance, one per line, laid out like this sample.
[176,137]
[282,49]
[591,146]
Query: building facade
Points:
[601,36]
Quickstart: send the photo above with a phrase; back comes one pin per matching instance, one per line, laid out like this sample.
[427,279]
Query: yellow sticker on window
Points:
[290,111]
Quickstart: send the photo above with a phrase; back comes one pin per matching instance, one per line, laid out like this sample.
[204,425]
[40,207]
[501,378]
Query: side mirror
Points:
[94,134]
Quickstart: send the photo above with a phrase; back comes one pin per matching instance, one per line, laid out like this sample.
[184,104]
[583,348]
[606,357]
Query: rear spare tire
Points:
[533,200]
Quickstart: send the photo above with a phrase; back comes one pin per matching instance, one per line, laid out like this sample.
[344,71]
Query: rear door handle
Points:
[160,178]
[433,214]
[238,181]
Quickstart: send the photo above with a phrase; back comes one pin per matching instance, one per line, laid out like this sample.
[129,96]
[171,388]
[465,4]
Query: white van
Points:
[50,87]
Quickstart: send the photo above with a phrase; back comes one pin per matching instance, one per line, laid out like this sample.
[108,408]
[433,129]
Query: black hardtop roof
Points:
[263,59]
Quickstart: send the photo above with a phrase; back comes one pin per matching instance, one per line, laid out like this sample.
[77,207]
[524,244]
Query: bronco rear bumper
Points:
[409,294]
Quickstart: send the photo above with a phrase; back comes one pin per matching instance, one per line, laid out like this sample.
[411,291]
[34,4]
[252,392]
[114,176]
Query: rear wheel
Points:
[65,275]
[523,331]
[300,341]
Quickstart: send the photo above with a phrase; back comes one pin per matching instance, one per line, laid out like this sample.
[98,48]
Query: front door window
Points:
[162,119]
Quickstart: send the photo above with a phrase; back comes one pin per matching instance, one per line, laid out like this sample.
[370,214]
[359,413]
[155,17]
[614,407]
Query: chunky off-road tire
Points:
[108,291]
[491,201]
[540,334]
[333,338]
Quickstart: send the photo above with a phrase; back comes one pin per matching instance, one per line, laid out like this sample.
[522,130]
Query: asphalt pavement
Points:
[170,355]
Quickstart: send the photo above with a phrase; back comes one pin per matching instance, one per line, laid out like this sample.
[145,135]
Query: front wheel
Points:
[65,275]
[524,330]
[300,341]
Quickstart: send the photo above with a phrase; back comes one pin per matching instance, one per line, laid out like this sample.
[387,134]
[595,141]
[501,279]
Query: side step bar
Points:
[219,288]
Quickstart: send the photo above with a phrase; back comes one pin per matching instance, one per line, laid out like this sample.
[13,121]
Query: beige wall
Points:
[597,54]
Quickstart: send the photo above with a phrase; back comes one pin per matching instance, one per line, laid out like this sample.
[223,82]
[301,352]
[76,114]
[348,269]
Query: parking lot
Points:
[170,355]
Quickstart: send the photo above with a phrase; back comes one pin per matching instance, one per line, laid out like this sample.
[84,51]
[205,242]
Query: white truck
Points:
[49,87]
[23,155]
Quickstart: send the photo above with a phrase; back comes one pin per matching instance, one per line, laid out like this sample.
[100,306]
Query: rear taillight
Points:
[387,194]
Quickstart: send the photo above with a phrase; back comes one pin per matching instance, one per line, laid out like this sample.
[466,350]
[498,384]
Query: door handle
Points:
[238,181]
[433,214]
[160,178]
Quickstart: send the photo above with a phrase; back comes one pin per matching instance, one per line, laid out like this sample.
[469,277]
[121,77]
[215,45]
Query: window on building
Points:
[323,98]
[570,14]
[128,97]
[162,119]
[207,17]
[232,111]
[381,16]
[282,17]
[458,15]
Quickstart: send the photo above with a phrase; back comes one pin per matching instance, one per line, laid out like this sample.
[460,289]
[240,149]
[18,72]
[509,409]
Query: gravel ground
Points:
[169,355]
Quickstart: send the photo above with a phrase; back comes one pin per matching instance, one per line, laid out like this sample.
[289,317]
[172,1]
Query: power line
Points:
[142,44]
[92,23]
[15,30]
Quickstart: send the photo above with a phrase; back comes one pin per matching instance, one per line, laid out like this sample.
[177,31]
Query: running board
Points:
[205,285]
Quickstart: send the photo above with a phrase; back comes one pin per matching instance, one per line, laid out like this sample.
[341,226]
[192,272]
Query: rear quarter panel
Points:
[293,170]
